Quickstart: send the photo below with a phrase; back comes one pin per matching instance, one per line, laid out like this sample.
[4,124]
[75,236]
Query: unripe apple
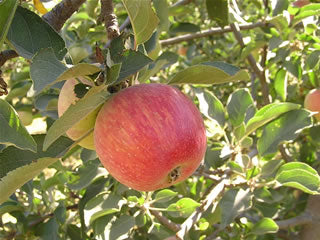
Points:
[150,136]
[312,102]
[66,98]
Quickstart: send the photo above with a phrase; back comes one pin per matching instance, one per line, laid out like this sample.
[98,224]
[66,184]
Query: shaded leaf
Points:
[162,10]
[218,10]
[7,11]
[211,107]
[28,33]
[237,106]
[19,166]
[183,27]
[284,128]
[101,205]
[233,203]
[12,132]
[45,69]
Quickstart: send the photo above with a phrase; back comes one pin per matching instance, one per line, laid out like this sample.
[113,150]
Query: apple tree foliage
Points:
[247,65]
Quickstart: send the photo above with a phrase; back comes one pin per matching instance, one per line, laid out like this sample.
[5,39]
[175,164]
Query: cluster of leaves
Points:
[261,161]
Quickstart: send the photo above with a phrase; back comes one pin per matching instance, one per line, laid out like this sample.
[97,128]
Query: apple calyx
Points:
[174,175]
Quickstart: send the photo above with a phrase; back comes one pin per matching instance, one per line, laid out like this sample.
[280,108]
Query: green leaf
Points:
[184,206]
[120,228]
[93,99]
[264,226]
[279,7]
[78,70]
[132,62]
[211,107]
[218,10]
[91,192]
[307,11]
[280,84]
[280,22]
[162,10]
[143,19]
[7,11]
[270,168]
[10,206]
[210,73]
[299,175]
[45,69]
[165,195]
[12,132]
[28,34]
[73,232]
[313,59]
[237,106]
[184,27]
[86,174]
[113,73]
[284,128]
[19,166]
[19,89]
[101,205]
[267,114]
[233,203]
[50,230]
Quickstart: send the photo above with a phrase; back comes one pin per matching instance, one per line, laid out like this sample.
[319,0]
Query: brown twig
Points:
[61,13]
[3,86]
[302,219]
[7,55]
[209,32]
[259,71]
[165,221]
[196,215]
[110,19]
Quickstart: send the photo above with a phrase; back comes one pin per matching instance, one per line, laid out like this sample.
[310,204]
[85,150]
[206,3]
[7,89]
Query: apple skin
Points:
[300,3]
[147,132]
[67,97]
[312,102]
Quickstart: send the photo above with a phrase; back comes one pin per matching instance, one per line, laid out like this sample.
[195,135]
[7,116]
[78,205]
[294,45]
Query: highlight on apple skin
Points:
[312,102]
[150,136]
[67,97]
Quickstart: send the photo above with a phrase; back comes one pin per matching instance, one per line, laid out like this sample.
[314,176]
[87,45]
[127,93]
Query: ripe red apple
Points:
[150,136]
[67,97]
[312,102]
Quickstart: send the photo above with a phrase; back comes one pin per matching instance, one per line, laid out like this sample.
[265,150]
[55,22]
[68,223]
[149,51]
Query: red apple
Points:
[66,98]
[312,102]
[150,136]
[300,3]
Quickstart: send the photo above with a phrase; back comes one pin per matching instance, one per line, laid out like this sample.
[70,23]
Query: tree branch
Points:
[196,215]
[209,32]
[165,221]
[110,19]
[302,219]
[254,65]
[62,12]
